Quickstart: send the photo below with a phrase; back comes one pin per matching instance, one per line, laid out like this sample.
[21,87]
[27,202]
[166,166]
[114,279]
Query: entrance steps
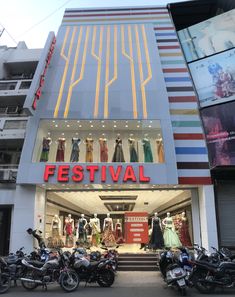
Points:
[137,262]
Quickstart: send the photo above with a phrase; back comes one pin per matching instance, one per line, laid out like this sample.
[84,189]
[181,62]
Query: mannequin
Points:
[133,152]
[68,230]
[60,150]
[118,232]
[82,223]
[74,157]
[89,149]
[170,236]
[95,230]
[183,231]
[160,151]
[118,155]
[148,156]
[156,240]
[108,238]
[103,150]
[46,142]
[55,240]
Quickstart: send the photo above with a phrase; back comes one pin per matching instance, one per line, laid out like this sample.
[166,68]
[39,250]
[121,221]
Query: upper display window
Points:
[99,141]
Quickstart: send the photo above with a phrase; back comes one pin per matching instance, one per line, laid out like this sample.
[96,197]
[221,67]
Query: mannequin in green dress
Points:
[133,152]
[148,156]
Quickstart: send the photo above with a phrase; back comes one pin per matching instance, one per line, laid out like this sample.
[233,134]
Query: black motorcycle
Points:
[91,272]
[54,270]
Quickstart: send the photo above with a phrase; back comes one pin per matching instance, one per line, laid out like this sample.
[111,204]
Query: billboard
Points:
[208,37]
[219,125]
[214,78]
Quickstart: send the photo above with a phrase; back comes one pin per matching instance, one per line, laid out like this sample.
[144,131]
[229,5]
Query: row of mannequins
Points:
[118,155]
[170,232]
[79,230]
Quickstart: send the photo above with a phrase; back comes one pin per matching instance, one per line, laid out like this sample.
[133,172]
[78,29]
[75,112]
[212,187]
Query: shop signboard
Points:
[208,37]
[214,78]
[219,124]
[136,227]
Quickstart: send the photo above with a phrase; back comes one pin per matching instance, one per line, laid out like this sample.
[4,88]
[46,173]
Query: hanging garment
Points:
[118,233]
[133,152]
[148,156]
[103,150]
[89,149]
[108,238]
[170,236]
[160,151]
[118,155]
[45,149]
[60,150]
[82,235]
[74,157]
[69,233]
[55,240]
[184,233]
[156,239]
[95,231]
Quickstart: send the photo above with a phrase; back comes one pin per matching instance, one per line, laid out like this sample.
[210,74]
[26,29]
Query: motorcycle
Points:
[171,271]
[111,254]
[92,272]
[54,270]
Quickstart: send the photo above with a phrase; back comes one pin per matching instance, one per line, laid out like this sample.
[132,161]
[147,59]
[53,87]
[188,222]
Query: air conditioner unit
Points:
[12,109]
[7,175]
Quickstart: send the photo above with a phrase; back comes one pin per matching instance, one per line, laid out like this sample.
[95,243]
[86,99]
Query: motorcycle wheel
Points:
[69,281]
[5,284]
[29,286]
[105,278]
[204,288]
[183,291]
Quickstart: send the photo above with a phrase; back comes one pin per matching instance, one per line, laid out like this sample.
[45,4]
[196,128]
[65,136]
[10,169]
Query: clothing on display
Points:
[118,155]
[133,152]
[74,157]
[103,150]
[46,142]
[95,231]
[118,233]
[160,151]
[68,230]
[60,150]
[170,236]
[184,232]
[108,238]
[148,156]
[156,239]
[82,234]
[55,240]
[89,149]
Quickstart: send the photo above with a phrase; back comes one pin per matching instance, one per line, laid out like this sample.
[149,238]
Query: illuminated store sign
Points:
[118,174]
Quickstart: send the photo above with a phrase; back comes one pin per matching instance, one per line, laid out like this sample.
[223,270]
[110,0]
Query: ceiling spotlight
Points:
[62,133]
[80,126]
[150,122]
[78,121]
[53,121]
[66,121]
[126,126]
[68,126]
[90,133]
[49,133]
[103,134]
[90,122]
[76,133]
[92,126]
[150,126]
[56,126]
[114,126]
[138,126]
[115,121]
[103,126]
[102,121]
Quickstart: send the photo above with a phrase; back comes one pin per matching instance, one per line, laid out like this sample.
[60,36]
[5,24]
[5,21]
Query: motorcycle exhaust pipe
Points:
[31,280]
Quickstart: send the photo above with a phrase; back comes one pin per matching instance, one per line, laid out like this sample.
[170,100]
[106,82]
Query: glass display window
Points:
[99,141]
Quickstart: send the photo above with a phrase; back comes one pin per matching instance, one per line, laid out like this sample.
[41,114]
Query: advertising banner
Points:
[209,37]
[219,123]
[214,78]
[136,227]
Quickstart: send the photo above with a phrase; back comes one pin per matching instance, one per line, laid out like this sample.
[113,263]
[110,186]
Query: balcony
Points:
[12,128]
[14,87]
[12,111]
[8,173]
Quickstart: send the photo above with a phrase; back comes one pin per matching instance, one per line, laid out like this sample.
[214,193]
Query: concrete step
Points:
[137,268]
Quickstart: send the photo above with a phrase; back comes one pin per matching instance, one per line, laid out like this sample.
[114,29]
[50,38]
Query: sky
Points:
[32,20]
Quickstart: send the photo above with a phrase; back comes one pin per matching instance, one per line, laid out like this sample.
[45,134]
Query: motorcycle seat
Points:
[227,265]
[36,263]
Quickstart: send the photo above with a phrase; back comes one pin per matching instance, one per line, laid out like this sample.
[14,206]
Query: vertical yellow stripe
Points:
[65,69]
[147,56]
[107,73]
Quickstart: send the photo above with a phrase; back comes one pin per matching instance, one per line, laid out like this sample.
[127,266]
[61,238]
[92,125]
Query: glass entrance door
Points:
[5,227]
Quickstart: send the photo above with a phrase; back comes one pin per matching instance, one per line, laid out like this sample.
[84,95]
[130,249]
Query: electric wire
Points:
[4,29]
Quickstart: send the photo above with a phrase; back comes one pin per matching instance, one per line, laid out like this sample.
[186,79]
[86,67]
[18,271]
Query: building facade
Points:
[114,128]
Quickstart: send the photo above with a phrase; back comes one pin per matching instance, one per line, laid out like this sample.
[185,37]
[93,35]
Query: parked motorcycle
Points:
[92,272]
[54,270]
[173,274]
[112,254]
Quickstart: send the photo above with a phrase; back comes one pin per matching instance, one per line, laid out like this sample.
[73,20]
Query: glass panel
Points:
[25,85]
[15,125]
[7,85]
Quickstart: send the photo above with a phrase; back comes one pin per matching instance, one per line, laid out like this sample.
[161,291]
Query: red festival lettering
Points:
[78,172]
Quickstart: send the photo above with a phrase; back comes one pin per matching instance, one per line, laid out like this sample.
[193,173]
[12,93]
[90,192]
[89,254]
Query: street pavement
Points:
[127,284]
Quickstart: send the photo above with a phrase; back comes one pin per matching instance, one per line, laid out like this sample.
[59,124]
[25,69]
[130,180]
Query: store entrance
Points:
[138,220]
[5,226]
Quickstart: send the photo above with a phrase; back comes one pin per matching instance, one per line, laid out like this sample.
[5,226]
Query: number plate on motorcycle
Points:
[181,282]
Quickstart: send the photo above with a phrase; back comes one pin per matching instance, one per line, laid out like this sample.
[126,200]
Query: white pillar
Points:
[196,217]
[209,233]
[40,210]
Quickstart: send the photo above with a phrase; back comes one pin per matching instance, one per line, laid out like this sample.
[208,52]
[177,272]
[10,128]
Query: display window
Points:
[99,141]
[134,219]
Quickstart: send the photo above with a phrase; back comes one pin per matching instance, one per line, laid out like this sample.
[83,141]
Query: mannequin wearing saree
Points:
[133,152]
[108,238]
[68,230]
[148,156]
[95,230]
[55,240]
[170,236]
[89,149]
[184,231]
[46,142]
[156,239]
[74,157]
[160,151]
[118,155]
[118,232]
[103,150]
[60,150]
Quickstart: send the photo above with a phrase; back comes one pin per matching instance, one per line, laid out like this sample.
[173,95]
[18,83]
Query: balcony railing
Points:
[14,87]
[12,111]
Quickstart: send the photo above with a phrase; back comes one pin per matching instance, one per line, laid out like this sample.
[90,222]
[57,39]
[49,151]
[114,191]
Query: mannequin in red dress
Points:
[183,231]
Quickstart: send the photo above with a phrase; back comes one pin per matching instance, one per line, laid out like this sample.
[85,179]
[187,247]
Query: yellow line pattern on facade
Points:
[98,58]
[73,72]
[132,69]
[81,75]
[107,81]
[184,111]
[66,58]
